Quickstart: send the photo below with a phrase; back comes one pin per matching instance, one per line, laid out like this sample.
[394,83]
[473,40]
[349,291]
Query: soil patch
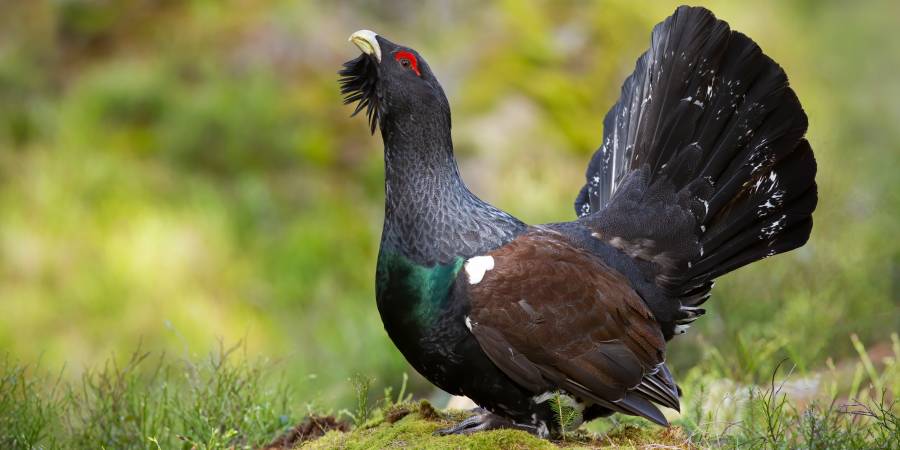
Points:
[311,428]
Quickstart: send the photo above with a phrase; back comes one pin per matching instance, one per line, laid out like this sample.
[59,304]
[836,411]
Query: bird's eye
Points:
[409,61]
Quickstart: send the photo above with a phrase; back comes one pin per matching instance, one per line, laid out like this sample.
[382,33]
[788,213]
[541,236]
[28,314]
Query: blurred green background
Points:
[179,172]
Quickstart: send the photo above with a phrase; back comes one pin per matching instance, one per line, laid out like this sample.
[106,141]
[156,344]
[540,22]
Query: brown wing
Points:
[553,316]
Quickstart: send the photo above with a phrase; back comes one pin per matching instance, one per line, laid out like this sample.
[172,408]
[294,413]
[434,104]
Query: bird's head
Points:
[392,83]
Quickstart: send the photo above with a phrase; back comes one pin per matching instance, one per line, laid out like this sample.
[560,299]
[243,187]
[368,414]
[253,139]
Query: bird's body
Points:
[703,169]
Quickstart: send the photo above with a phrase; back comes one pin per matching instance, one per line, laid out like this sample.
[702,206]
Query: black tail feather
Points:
[704,157]
[767,216]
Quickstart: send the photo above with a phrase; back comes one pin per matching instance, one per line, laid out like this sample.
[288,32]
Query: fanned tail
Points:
[703,167]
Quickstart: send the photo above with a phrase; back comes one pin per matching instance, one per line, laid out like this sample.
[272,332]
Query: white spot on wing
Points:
[468,323]
[477,266]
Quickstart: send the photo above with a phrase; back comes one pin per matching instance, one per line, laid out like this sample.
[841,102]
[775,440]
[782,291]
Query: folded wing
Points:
[554,317]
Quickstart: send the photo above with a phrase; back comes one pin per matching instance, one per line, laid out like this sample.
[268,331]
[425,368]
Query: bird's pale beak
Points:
[365,40]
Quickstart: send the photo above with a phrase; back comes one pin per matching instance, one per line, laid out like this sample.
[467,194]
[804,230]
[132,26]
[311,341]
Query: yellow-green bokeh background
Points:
[178,172]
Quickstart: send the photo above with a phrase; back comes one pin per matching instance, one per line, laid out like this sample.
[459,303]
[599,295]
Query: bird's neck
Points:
[418,160]
[431,217]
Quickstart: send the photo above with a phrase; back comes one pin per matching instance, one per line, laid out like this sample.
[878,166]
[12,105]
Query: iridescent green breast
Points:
[412,292]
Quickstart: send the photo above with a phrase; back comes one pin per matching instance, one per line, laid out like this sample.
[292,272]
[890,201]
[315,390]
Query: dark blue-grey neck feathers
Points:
[431,217]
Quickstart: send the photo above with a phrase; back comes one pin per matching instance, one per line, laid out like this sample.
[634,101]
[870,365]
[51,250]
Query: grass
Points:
[769,419]
[227,400]
[223,401]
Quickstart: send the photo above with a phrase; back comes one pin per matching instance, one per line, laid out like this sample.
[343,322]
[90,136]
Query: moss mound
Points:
[412,425]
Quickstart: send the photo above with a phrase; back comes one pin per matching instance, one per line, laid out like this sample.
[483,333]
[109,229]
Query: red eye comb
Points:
[413,62]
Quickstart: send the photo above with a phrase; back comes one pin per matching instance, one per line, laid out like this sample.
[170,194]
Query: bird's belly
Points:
[450,358]
[440,347]
[427,336]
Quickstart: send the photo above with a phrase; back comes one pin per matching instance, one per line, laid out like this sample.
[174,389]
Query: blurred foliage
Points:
[177,172]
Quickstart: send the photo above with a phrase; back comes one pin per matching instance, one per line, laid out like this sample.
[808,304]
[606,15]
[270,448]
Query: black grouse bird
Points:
[703,169]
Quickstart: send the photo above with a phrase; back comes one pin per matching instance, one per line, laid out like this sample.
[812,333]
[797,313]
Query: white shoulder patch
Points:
[476,267]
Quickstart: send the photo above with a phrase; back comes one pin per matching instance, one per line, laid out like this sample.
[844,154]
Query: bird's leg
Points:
[490,421]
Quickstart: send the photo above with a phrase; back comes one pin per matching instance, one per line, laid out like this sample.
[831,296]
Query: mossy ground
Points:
[412,425]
